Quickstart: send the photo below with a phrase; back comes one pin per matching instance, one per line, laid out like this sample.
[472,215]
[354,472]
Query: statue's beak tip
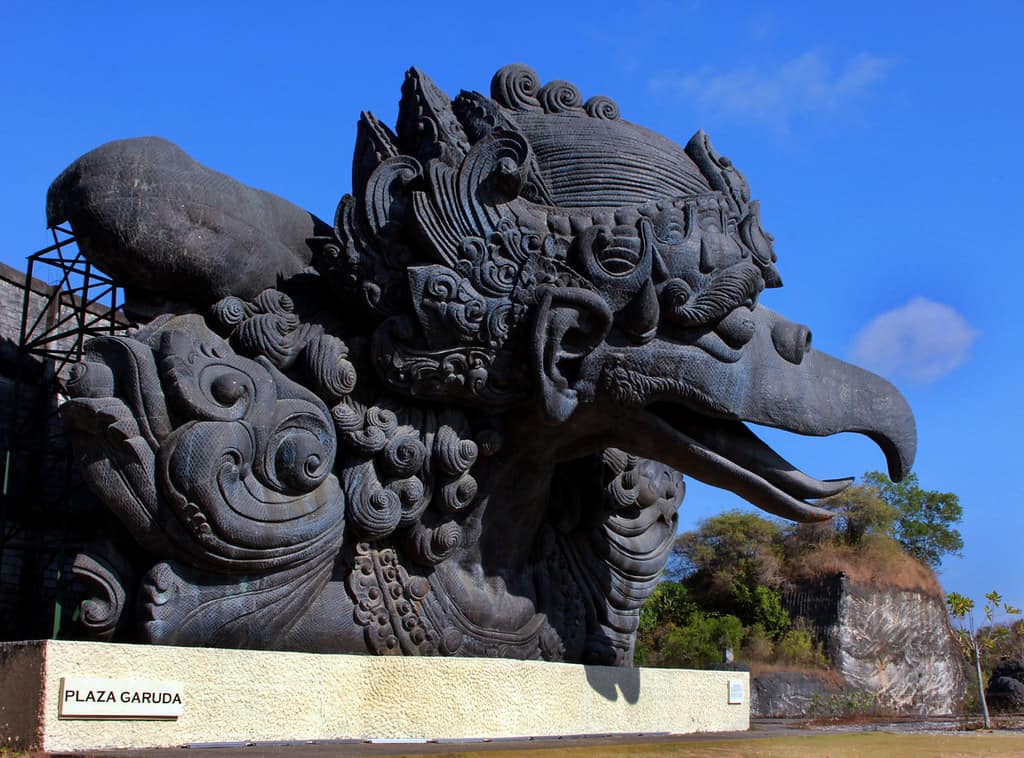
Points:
[900,455]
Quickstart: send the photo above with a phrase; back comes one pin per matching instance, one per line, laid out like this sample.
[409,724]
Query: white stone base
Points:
[232,696]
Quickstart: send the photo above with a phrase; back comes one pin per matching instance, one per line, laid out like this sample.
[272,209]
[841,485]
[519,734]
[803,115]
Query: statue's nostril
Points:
[737,328]
[791,340]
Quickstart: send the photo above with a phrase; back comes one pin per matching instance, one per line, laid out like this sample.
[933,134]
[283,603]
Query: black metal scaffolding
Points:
[83,303]
[45,512]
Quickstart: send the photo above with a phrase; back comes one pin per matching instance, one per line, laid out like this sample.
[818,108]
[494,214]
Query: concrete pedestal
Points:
[230,696]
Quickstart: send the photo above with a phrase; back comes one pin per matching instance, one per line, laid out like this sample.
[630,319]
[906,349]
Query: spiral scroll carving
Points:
[560,96]
[102,610]
[373,509]
[410,475]
[231,311]
[516,86]
[431,546]
[454,455]
[601,107]
[403,456]
[243,465]
[266,326]
[325,360]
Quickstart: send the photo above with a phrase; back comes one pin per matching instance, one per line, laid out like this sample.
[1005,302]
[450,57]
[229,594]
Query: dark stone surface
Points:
[162,224]
[461,433]
[46,512]
[791,694]
[1005,689]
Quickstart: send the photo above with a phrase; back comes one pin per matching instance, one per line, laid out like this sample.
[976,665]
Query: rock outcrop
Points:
[791,694]
[898,644]
[895,644]
[1005,691]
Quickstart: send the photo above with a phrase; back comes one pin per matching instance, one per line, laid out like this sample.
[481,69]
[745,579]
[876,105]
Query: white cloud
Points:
[809,82]
[921,341]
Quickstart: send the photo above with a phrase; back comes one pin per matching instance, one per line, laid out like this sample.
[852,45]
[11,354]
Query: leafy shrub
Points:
[733,569]
[757,645]
[797,648]
[844,706]
[760,605]
[700,642]
[675,632]
[669,603]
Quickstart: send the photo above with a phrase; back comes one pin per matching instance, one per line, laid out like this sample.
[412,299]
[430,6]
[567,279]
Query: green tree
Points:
[1006,640]
[670,603]
[796,647]
[759,604]
[732,546]
[735,563]
[675,631]
[701,641]
[972,640]
[924,519]
[860,510]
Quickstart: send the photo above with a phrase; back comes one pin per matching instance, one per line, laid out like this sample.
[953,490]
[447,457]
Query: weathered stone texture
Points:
[461,431]
[790,694]
[1005,691]
[893,644]
[899,645]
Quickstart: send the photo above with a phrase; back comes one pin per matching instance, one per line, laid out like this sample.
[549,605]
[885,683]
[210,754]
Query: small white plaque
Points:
[736,692]
[93,698]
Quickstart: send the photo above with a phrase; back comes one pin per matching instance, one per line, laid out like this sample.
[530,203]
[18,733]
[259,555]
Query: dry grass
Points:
[856,745]
[826,676]
[879,563]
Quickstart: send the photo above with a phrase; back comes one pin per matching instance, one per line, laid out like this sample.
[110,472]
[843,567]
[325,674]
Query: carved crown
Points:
[470,205]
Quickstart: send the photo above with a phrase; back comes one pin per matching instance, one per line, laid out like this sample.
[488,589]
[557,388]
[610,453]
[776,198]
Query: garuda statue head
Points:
[526,279]
[533,245]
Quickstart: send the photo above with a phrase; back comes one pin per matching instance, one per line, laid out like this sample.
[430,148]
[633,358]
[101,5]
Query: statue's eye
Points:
[228,388]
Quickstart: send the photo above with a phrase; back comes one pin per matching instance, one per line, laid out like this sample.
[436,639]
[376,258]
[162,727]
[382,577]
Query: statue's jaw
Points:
[728,455]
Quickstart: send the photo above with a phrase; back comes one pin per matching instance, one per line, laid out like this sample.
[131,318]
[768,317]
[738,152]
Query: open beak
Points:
[697,426]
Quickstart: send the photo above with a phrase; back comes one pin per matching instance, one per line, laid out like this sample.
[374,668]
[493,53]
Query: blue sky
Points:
[883,140]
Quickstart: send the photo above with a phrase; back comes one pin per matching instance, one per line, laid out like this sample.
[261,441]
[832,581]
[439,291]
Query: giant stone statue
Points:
[452,423]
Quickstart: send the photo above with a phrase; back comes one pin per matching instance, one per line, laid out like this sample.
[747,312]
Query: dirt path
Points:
[848,745]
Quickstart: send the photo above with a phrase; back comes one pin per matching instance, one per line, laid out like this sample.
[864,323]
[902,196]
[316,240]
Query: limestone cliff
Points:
[893,642]
[898,644]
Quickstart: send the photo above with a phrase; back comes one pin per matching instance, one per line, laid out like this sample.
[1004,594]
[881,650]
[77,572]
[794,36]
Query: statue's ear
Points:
[571,322]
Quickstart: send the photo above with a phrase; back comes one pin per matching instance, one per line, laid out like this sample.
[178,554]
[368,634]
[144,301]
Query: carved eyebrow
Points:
[727,290]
